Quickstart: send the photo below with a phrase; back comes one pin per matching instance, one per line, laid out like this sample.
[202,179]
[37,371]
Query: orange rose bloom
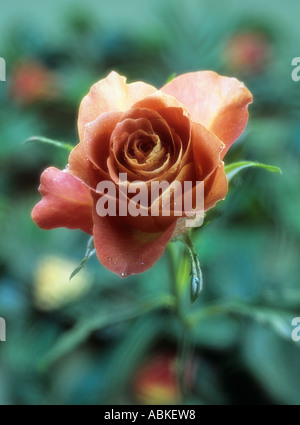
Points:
[179,133]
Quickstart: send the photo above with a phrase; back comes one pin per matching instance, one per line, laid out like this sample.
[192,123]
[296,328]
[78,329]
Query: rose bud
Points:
[133,135]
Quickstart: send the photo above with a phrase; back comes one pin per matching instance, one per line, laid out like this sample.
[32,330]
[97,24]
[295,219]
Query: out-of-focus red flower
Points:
[156,381]
[177,134]
[32,81]
[248,53]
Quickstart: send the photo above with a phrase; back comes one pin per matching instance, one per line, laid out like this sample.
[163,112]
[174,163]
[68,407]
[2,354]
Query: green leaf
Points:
[171,77]
[274,363]
[130,352]
[277,319]
[90,251]
[216,332]
[84,328]
[232,169]
[196,284]
[66,146]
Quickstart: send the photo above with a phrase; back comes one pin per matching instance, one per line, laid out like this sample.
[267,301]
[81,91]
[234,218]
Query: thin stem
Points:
[185,343]
[185,357]
[174,280]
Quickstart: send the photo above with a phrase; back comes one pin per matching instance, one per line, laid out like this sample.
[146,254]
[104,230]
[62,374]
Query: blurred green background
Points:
[99,339]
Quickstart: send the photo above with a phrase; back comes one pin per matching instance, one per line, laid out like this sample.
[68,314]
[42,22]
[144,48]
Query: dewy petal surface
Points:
[125,250]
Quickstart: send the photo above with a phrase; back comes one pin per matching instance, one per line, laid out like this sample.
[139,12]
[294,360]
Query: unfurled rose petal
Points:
[215,187]
[79,164]
[219,103]
[110,94]
[207,149]
[97,140]
[66,202]
[125,250]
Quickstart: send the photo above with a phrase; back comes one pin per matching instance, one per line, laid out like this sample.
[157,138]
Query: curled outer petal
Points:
[110,94]
[219,103]
[66,202]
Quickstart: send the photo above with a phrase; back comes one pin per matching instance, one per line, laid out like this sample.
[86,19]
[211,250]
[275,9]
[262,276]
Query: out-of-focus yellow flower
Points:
[53,289]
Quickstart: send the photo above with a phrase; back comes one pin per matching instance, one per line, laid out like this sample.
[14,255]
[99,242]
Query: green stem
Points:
[185,356]
[175,288]
[185,343]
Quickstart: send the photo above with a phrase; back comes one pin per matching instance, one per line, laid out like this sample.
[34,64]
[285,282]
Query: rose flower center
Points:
[145,147]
